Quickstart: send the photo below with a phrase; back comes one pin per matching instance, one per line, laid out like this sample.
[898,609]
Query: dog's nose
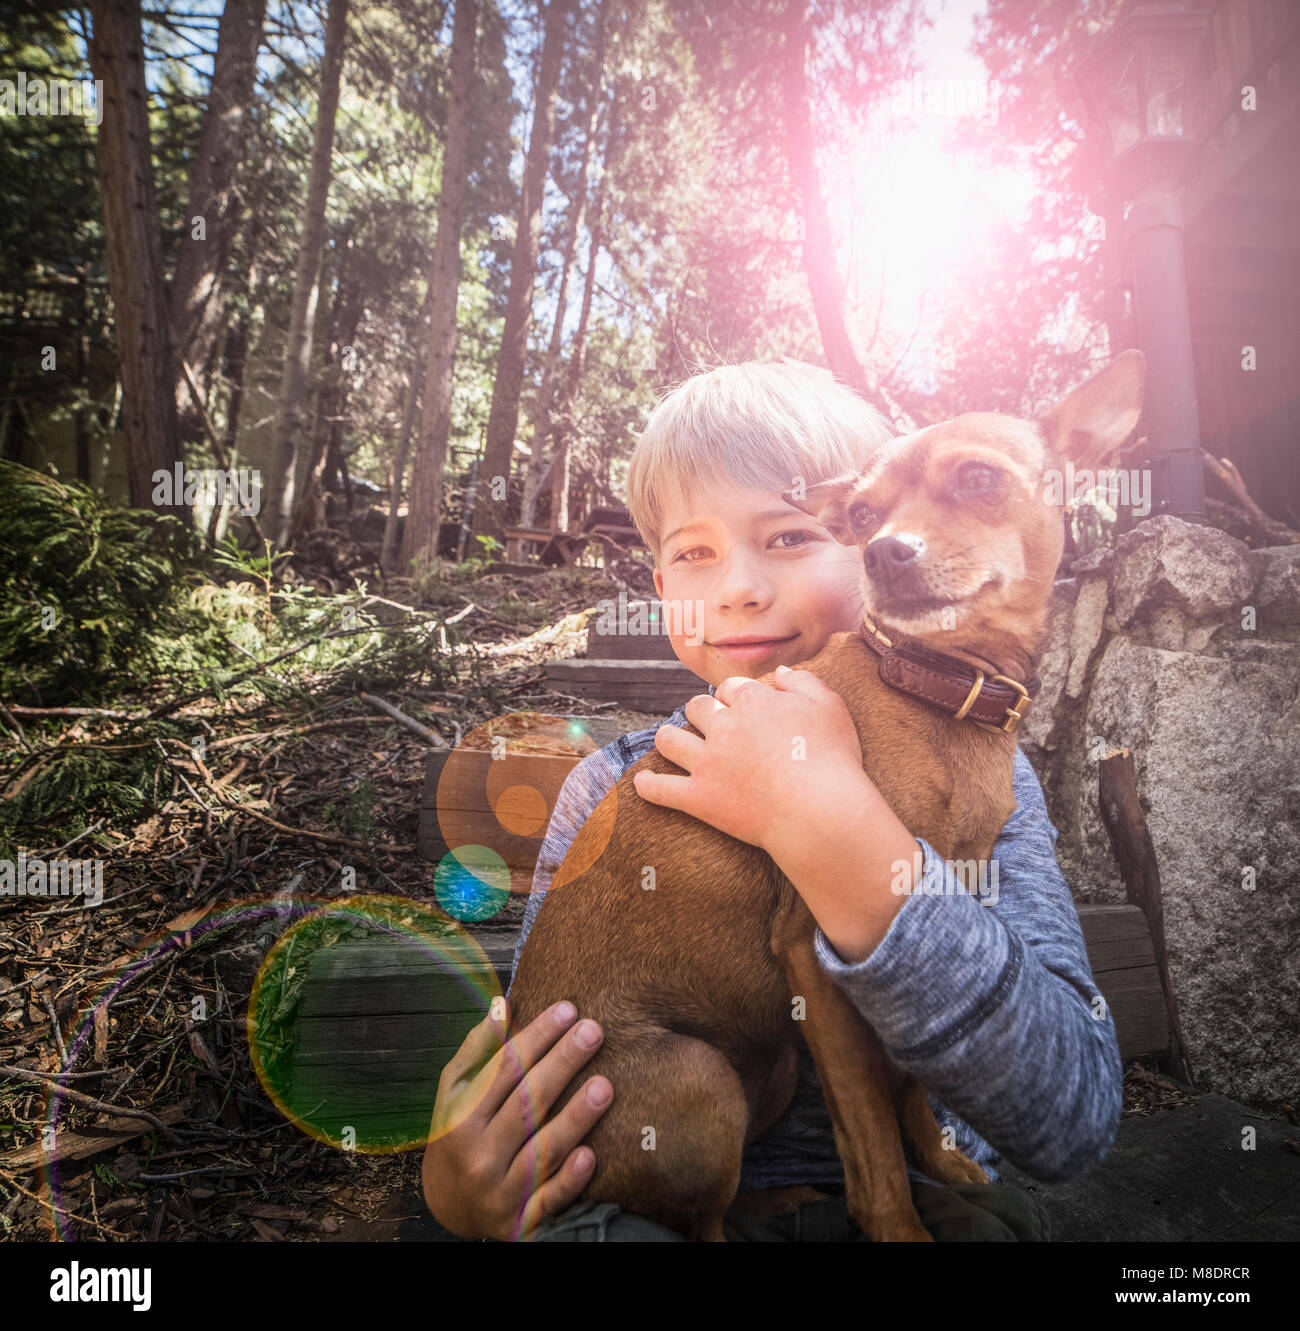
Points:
[890,553]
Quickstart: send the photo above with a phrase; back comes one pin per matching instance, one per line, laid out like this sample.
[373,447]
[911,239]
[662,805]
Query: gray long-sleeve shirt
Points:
[989,1000]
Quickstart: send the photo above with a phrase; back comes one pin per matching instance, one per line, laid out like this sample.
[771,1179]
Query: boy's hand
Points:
[769,758]
[489,1172]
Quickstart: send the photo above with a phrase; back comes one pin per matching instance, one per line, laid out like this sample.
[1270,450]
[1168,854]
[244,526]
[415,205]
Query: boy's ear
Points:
[827,501]
[1088,425]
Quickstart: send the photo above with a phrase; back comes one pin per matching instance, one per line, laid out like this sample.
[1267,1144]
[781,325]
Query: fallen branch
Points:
[38,712]
[1275,532]
[89,1101]
[335,723]
[302,831]
[167,708]
[18,730]
[401,717]
[11,1182]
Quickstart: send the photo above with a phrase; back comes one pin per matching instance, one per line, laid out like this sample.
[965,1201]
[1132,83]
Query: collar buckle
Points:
[1021,709]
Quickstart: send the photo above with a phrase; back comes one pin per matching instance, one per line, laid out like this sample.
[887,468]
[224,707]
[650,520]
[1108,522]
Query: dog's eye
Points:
[974,479]
[860,516]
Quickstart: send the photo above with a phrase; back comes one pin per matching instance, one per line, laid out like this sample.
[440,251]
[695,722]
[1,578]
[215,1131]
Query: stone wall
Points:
[1184,645]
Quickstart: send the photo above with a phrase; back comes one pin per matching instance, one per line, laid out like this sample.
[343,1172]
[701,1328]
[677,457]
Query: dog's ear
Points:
[827,501]
[1088,425]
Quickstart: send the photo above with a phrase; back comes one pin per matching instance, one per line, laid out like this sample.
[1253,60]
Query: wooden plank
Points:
[1123,962]
[473,818]
[347,1066]
[1137,1006]
[1116,936]
[658,687]
[660,672]
[360,957]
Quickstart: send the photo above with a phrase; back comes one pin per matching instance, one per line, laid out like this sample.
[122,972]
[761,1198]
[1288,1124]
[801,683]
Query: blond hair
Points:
[759,425]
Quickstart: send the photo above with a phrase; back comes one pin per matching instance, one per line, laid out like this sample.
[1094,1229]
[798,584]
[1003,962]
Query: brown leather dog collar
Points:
[955,685]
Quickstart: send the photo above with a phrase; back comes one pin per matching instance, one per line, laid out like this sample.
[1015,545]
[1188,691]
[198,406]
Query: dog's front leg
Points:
[854,1074]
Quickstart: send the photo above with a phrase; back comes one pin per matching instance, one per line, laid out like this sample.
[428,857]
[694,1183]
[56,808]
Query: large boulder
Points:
[1173,583]
[1184,645]
[1216,740]
[1277,586]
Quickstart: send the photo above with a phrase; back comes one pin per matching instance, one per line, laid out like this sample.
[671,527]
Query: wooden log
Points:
[1130,840]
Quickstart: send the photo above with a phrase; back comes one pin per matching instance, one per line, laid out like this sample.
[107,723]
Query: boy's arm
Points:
[583,789]
[994,1007]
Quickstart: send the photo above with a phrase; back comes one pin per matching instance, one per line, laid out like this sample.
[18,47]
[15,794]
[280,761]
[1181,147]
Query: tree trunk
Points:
[503,417]
[538,470]
[82,419]
[236,361]
[134,248]
[310,511]
[824,281]
[292,463]
[195,298]
[420,535]
[397,469]
[563,416]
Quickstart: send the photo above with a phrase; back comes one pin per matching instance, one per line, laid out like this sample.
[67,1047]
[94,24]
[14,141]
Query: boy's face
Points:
[745,564]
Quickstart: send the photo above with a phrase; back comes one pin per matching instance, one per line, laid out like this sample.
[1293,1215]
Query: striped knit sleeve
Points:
[583,790]
[990,1001]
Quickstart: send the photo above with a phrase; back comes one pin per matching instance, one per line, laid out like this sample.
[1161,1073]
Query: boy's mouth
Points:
[750,647]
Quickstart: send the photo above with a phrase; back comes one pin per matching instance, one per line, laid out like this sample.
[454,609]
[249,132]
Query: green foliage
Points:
[49,187]
[77,786]
[92,594]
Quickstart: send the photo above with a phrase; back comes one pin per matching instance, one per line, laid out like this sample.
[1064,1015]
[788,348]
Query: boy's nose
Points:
[889,554]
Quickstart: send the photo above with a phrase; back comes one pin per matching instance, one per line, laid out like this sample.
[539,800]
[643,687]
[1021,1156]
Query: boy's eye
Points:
[804,537]
[974,478]
[691,550]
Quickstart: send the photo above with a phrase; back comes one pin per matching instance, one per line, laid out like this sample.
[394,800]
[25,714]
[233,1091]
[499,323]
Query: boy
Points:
[989,1006]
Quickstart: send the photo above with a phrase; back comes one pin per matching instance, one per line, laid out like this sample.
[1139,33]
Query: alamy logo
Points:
[52,97]
[94,1284]
[58,878]
[1120,487]
[975,878]
[184,485]
[638,618]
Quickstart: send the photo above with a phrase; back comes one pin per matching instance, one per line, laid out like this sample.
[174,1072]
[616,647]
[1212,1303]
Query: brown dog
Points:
[961,532]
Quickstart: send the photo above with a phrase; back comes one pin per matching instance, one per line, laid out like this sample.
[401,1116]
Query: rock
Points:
[1216,740]
[1085,632]
[1179,581]
[1099,561]
[1277,586]
[1052,665]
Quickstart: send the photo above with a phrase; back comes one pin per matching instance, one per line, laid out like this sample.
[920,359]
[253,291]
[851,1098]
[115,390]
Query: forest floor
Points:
[130,1002]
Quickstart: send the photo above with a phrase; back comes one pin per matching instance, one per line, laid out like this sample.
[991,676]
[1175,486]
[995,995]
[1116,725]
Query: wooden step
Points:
[378,1018]
[1123,963]
[470,797]
[638,637]
[658,687]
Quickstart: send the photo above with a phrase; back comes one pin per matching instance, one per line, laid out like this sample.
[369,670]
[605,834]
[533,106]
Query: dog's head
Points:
[960,524]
